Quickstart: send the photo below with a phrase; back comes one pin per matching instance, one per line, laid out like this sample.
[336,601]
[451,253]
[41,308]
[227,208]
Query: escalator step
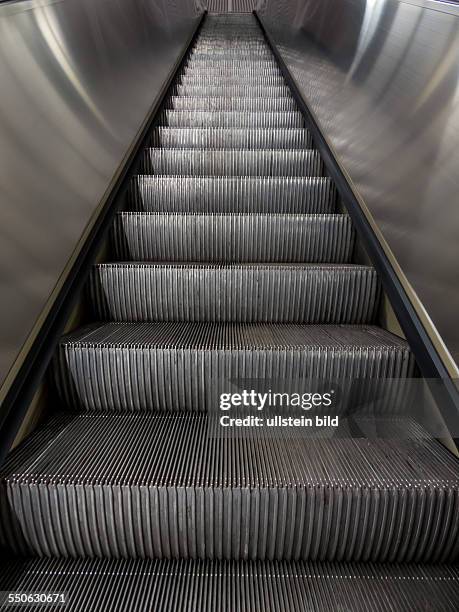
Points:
[279,119]
[230,69]
[233,37]
[174,366]
[230,42]
[249,72]
[233,194]
[230,138]
[284,293]
[239,34]
[211,80]
[208,61]
[235,90]
[216,53]
[235,104]
[171,485]
[229,162]
[233,237]
[201,586]
[232,34]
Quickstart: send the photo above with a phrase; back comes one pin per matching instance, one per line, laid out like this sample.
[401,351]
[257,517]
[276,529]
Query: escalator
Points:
[234,260]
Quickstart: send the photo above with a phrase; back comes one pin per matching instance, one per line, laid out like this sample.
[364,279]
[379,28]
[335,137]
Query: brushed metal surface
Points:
[77,79]
[381,78]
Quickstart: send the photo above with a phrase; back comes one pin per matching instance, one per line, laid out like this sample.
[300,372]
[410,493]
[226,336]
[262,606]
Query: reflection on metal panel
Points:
[381,77]
[77,78]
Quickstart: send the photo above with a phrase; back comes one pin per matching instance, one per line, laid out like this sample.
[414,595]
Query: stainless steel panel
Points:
[77,78]
[381,78]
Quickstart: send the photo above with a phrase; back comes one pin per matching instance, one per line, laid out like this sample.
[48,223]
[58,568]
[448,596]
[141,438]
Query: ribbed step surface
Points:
[174,366]
[233,237]
[236,79]
[216,47]
[226,43]
[230,138]
[231,104]
[250,72]
[297,293]
[221,53]
[221,162]
[164,486]
[279,119]
[233,38]
[228,62]
[231,194]
[231,70]
[201,586]
[250,90]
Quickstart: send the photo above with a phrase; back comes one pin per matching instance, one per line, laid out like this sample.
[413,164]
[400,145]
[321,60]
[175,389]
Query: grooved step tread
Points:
[232,68]
[222,103]
[245,73]
[201,586]
[190,79]
[174,366]
[220,89]
[214,336]
[202,61]
[249,119]
[166,485]
[230,138]
[295,293]
[232,237]
[233,194]
[229,162]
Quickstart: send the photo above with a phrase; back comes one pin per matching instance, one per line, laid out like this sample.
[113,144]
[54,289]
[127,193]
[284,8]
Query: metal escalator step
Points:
[232,40]
[236,23]
[204,47]
[228,162]
[230,22]
[226,61]
[233,44]
[233,237]
[173,486]
[231,104]
[174,366]
[245,70]
[212,52]
[279,119]
[248,73]
[233,194]
[203,57]
[235,33]
[230,138]
[294,293]
[190,79]
[237,38]
[234,37]
[236,91]
[203,52]
[200,586]
[236,29]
